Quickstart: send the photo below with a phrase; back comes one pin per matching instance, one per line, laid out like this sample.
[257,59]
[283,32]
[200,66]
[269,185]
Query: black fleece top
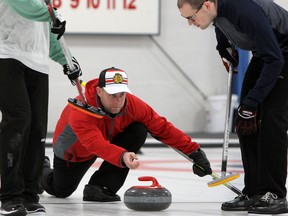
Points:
[260,26]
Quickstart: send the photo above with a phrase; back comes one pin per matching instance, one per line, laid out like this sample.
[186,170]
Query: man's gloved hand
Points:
[58,27]
[228,56]
[201,166]
[246,122]
[72,75]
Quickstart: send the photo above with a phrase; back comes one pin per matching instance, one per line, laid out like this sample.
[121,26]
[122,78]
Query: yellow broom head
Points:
[223,180]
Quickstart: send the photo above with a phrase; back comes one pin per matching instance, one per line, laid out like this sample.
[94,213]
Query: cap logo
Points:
[118,78]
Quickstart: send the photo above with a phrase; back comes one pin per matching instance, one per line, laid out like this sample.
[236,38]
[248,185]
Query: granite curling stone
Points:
[147,198]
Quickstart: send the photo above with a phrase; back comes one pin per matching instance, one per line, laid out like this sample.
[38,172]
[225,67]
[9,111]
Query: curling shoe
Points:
[99,194]
[269,204]
[32,205]
[240,203]
[13,208]
[35,208]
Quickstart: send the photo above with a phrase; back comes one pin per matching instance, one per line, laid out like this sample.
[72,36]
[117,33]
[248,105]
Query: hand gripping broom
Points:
[81,104]
[224,181]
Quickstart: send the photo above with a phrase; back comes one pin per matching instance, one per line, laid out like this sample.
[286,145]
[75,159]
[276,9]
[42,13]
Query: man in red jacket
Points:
[80,138]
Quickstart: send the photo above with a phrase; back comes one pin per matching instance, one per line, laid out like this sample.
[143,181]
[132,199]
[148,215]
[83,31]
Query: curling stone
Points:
[147,198]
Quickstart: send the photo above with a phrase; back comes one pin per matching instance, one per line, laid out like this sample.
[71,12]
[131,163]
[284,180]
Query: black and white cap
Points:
[113,81]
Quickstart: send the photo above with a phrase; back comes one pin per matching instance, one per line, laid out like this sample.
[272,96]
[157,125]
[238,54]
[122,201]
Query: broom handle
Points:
[227,117]
[66,53]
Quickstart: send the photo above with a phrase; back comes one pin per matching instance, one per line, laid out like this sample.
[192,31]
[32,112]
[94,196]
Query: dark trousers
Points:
[24,107]
[264,154]
[64,179]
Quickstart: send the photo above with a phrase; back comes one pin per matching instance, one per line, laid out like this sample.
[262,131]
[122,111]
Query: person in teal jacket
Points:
[26,42]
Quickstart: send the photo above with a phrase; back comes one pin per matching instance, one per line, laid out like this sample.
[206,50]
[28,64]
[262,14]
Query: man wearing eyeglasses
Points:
[260,26]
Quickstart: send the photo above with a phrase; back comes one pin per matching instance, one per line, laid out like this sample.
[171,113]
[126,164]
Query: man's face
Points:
[112,103]
[201,17]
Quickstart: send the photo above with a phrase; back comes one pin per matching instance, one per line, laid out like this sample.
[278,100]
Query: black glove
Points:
[228,56]
[58,27]
[72,75]
[201,166]
[246,122]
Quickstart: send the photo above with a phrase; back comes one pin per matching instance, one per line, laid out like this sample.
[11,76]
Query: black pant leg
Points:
[37,87]
[113,177]
[14,127]
[249,145]
[64,178]
[249,155]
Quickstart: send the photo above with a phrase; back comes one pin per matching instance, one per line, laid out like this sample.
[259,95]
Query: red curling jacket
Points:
[79,136]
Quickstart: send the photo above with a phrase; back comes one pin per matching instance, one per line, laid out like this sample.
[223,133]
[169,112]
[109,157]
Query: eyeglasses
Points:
[193,17]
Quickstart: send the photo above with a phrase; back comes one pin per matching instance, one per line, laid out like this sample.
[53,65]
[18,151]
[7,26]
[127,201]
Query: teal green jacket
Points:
[25,34]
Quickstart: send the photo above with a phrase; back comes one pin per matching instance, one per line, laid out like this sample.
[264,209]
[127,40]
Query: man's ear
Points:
[99,91]
[210,6]
[206,5]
